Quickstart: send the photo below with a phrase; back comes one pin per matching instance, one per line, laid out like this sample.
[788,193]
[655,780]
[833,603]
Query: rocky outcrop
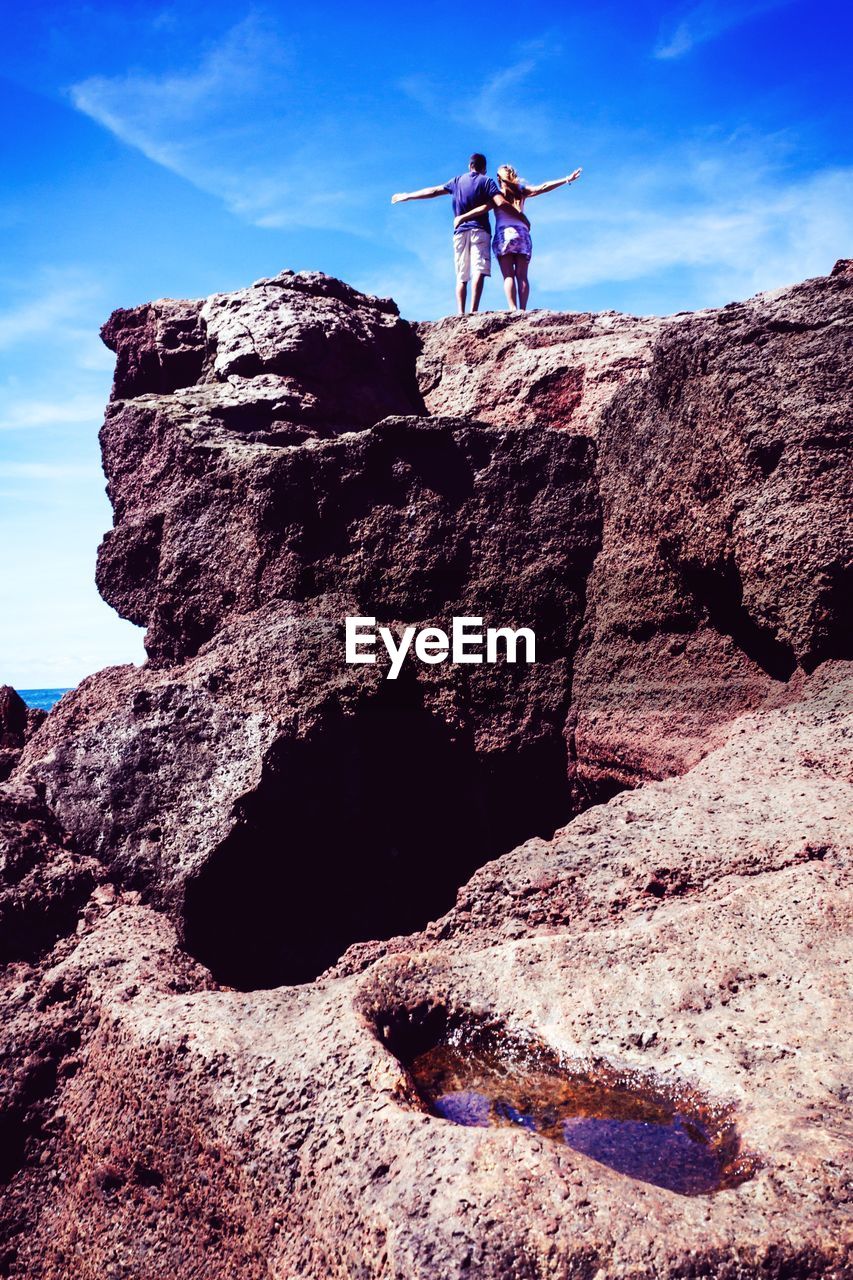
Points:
[18,722]
[722,440]
[540,367]
[662,501]
[243,551]
[646,540]
[696,928]
[43,880]
[113,953]
[194,760]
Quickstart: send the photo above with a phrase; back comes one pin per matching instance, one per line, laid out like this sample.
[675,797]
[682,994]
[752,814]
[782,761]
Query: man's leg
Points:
[462,263]
[506,262]
[521,264]
[481,264]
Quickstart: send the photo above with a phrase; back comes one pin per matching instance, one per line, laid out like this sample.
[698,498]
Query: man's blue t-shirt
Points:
[469,190]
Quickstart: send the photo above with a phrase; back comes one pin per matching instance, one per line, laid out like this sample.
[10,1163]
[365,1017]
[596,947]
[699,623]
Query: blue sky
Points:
[184,149]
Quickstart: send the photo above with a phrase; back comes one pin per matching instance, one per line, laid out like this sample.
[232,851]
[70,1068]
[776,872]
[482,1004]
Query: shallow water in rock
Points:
[624,1123]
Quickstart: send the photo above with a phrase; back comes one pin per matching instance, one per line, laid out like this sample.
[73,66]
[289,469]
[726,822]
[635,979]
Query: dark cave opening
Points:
[363,831]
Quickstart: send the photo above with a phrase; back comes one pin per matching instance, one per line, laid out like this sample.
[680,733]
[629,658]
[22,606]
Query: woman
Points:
[511,243]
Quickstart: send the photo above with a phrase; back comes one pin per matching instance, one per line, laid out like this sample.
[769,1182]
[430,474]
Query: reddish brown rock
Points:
[18,722]
[675,544]
[545,368]
[644,562]
[13,717]
[723,440]
[695,929]
[233,746]
[43,880]
[725,565]
[243,554]
[299,349]
[115,953]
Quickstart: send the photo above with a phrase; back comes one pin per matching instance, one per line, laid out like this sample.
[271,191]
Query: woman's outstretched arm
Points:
[545,187]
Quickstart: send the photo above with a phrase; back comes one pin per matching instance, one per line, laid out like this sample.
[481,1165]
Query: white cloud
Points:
[706,21]
[90,354]
[237,127]
[55,304]
[53,387]
[59,642]
[54,627]
[49,471]
[750,234]
[24,413]
[420,273]
[422,292]
[503,105]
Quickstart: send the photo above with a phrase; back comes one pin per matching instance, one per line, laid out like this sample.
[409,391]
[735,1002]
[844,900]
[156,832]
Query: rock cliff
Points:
[663,502]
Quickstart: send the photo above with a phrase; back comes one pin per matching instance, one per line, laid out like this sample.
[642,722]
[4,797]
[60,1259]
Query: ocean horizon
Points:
[43,699]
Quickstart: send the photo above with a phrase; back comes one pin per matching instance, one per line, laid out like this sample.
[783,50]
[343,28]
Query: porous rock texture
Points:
[663,502]
[18,722]
[723,468]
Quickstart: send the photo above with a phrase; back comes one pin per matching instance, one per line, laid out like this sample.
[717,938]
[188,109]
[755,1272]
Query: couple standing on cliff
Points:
[474,195]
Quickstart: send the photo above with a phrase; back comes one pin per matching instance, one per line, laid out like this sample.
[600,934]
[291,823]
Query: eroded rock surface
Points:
[663,502]
[43,880]
[722,441]
[276,1133]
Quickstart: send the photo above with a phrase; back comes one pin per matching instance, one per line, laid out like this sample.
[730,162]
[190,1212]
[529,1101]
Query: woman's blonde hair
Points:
[511,182]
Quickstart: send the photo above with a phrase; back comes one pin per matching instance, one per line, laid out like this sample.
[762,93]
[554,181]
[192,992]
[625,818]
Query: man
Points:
[472,250]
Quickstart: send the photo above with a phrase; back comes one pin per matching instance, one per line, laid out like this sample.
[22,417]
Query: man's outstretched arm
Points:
[427,193]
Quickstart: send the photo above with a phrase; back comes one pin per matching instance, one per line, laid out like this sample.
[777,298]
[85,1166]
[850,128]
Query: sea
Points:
[44,699]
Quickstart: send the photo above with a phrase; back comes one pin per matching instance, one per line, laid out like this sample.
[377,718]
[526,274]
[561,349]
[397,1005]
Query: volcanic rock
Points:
[112,951]
[662,501]
[18,722]
[722,439]
[669,931]
[13,717]
[654,560]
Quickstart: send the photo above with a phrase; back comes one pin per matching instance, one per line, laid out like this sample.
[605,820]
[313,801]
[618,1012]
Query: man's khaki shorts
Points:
[472,254]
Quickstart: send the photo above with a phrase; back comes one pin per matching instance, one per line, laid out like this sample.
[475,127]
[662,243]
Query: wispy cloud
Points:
[706,21]
[421,278]
[53,386]
[237,126]
[152,112]
[24,413]
[503,105]
[48,471]
[750,234]
[50,305]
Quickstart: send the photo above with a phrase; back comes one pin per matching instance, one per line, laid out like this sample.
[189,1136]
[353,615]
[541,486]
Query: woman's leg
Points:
[521,265]
[507,265]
